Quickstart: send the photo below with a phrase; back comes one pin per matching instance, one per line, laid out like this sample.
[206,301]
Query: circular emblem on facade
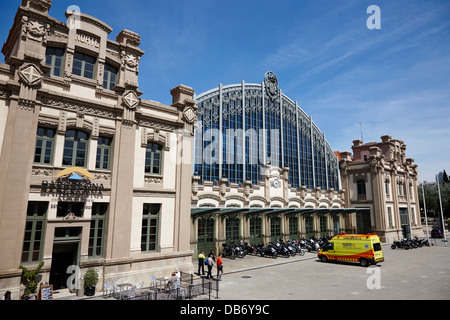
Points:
[276,183]
[271,84]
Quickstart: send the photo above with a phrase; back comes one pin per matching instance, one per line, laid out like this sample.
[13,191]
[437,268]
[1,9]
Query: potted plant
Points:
[90,281]
[30,279]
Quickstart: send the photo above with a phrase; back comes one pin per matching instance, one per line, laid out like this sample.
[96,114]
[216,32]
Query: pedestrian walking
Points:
[211,264]
[219,267]
[201,263]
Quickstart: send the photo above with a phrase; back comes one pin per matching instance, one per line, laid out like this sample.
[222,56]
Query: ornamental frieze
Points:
[78,108]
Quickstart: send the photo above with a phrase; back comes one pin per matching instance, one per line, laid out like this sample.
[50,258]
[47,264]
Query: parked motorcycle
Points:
[228,251]
[239,251]
[401,244]
[298,247]
[281,249]
[269,251]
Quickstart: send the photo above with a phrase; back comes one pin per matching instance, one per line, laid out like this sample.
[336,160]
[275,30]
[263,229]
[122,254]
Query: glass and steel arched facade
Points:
[243,127]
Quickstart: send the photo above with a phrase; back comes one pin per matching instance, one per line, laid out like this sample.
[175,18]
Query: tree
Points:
[30,280]
[445,178]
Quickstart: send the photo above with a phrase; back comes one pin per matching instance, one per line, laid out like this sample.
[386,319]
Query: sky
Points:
[356,82]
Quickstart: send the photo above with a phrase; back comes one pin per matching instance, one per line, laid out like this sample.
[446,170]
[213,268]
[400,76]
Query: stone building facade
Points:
[262,170]
[380,178]
[91,174]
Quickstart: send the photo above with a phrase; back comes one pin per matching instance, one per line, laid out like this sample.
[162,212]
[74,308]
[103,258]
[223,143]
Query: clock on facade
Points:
[276,183]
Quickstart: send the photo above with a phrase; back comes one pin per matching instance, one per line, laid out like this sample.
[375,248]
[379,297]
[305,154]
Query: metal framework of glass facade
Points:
[243,127]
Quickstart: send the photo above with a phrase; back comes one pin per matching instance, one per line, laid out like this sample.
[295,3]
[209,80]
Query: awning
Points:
[199,211]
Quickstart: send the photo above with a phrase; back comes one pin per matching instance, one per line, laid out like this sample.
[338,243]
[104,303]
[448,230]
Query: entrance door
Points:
[232,230]
[64,255]
[336,229]
[275,229]
[404,221]
[205,234]
[363,224]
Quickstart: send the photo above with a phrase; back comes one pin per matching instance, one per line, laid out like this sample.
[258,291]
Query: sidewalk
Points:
[230,266]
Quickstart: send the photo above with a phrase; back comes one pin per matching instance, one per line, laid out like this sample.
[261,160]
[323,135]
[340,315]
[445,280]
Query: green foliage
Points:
[432,199]
[29,279]
[91,278]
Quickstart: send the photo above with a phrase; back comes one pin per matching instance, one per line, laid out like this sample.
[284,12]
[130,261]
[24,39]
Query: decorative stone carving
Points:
[39,5]
[130,61]
[30,74]
[131,100]
[271,84]
[189,115]
[34,30]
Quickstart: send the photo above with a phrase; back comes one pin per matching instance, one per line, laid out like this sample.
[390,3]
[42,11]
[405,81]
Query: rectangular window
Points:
[43,152]
[309,226]
[255,228]
[54,58]
[232,230]
[103,153]
[153,159]
[293,226]
[110,77]
[150,227]
[323,225]
[97,231]
[275,227]
[83,65]
[34,231]
[389,213]
[65,208]
[361,189]
[75,148]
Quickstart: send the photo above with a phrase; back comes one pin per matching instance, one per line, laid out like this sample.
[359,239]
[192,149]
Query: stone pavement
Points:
[236,270]
[230,267]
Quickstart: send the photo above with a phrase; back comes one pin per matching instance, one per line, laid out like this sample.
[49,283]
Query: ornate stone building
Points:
[262,170]
[91,174]
[382,183]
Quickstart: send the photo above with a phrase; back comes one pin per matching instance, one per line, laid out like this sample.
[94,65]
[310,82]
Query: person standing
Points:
[211,264]
[219,267]
[201,263]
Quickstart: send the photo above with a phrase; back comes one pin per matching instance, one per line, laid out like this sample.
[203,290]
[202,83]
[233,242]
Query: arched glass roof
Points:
[242,127]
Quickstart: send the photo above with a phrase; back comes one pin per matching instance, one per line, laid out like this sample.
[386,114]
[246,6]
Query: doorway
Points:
[363,223]
[66,247]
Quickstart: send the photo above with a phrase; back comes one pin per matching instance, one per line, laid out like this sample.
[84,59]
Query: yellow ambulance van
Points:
[364,249]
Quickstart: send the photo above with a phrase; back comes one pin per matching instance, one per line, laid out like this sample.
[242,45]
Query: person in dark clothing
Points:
[201,263]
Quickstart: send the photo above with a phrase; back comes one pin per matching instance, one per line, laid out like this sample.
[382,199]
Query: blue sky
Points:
[395,80]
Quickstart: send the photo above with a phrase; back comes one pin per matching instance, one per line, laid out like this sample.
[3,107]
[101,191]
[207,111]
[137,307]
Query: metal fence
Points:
[190,287]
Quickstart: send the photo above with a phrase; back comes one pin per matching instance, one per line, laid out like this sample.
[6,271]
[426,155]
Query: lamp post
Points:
[442,214]
[425,209]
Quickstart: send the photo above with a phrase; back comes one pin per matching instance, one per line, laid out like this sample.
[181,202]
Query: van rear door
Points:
[378,252]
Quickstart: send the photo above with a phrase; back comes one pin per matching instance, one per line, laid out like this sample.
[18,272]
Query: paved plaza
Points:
[422,273]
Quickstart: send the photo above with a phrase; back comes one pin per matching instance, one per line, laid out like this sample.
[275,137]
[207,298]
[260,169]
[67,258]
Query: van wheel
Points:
[323,258]
[364,263]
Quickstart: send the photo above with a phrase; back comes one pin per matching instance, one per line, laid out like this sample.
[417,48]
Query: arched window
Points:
[75,149]
[153,159]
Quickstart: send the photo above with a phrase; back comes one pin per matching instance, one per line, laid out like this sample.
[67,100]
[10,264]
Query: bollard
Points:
[80,289]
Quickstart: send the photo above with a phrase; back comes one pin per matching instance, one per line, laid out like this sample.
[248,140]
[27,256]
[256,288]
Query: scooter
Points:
[298,248]
[238,250]
[267,251]
[228,252]
[281,250]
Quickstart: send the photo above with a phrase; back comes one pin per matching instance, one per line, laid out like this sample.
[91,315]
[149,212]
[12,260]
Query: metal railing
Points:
[190,287]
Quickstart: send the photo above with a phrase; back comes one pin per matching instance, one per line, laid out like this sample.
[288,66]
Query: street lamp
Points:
[442,214]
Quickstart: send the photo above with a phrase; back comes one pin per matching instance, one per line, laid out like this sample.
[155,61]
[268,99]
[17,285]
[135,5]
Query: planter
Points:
[89,291]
